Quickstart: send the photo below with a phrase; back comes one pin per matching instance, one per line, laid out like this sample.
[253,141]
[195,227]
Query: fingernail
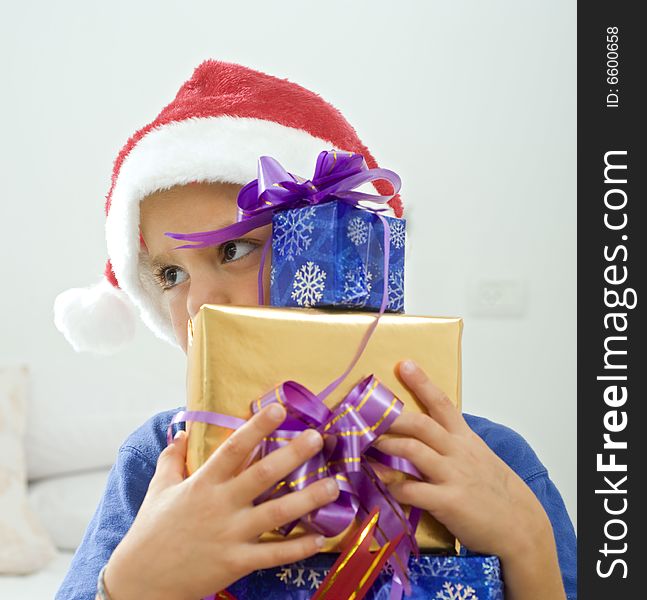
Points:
[314,438]
[275,412]
[408,367]
[320,541]
[178,434]
[331,486]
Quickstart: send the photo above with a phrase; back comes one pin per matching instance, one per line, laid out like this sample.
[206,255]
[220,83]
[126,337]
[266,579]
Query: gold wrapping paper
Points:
[237,353]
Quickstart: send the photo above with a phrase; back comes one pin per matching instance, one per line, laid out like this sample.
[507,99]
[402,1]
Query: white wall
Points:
[473,103]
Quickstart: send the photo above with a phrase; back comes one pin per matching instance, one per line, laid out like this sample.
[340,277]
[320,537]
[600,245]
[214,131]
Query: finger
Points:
[431,465]
[438,404]
[277,465]
[170,463]
[427,496]
[424,428]
[265,555]
[231,455]
[274,513]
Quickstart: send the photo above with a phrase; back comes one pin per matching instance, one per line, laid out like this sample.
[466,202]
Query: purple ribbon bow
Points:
[336,175]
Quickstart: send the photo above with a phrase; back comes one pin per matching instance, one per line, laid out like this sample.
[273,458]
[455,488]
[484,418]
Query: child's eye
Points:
[169,277]
[236,249]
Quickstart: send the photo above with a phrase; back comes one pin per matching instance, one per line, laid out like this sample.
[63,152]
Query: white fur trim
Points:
[213,149]
[98,319]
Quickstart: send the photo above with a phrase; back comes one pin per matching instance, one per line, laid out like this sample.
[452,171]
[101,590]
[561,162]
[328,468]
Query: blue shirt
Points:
[135,465]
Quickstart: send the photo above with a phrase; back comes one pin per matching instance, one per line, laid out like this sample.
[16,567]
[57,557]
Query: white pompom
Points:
[98,319]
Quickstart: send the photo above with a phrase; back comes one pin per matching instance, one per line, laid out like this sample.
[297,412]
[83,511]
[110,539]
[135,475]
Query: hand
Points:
[195,536]
[469,489]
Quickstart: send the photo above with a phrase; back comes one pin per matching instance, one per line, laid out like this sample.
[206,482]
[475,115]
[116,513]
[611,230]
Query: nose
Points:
[206,288]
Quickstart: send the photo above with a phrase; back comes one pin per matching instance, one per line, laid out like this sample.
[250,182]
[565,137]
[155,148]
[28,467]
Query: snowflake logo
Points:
[292,232]
[357,286]
[456,592]
[272,274]
[357,231]
[308,284]
[397,233]
[396,290]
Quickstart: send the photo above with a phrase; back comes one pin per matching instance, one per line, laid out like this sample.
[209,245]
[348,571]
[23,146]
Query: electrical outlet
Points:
[497,298]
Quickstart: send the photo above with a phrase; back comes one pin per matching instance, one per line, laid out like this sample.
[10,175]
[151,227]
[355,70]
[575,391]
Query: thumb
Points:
[171,462]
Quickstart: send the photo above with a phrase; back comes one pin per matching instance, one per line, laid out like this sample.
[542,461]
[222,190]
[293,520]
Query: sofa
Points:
[55,457]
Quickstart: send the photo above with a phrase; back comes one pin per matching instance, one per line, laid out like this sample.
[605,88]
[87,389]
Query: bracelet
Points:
[101,586]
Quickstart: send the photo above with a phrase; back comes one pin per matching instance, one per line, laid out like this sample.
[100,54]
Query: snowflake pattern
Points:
[446,568]
[397,233]
[456,592]
[492,568]
[396,290]
[296,575]
[308,284]
[357,286]
[357,231]
[315,578]
[437,577]
[292,232]
[272,274]
[285,575]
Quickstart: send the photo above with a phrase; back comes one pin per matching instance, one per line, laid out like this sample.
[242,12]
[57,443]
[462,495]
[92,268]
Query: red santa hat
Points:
[221,121]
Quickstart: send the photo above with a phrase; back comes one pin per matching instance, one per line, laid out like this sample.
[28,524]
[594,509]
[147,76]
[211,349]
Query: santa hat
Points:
[221,121]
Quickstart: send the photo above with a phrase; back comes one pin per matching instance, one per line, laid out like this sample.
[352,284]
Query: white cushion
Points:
[25,546]
[66,504]
[83,407]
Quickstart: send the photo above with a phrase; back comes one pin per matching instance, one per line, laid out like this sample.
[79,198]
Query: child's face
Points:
[223,274]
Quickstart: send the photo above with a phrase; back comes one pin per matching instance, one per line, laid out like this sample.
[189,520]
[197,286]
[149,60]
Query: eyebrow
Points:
[164,258]
[159,260]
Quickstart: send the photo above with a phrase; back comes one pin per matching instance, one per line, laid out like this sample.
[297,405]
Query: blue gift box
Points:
[432,576]
[332,254]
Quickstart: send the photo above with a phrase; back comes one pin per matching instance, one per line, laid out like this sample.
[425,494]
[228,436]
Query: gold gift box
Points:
[238,353]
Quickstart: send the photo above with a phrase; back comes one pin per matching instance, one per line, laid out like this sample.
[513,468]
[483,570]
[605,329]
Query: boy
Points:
[165,537]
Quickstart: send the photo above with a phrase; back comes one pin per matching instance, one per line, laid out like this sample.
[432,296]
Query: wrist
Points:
[124,580]
[530,566]
[532,536]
